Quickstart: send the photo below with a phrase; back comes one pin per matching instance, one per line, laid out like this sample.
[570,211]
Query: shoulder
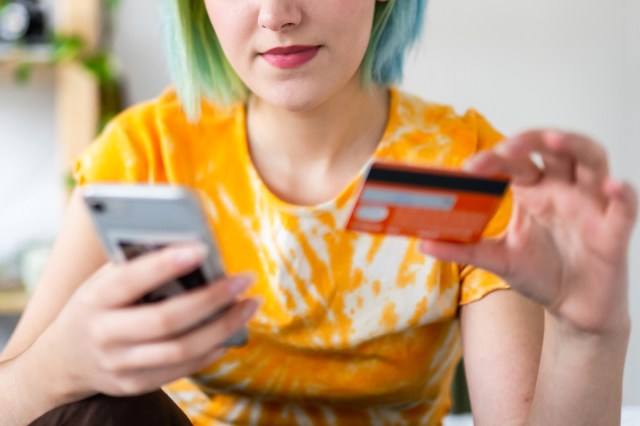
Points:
[436,133]
[412,109]
[154,140]
[165,112]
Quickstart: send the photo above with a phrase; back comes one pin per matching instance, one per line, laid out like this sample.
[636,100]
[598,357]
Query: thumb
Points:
[489,254]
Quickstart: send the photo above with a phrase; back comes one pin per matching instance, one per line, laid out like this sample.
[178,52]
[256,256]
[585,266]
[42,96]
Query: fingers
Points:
[125,284]
[174,315]
[185,348]
[584,152]
[581,159]
[565,157]
[622,210]
[488,254]
[143,381]
[554,164]
[505,160]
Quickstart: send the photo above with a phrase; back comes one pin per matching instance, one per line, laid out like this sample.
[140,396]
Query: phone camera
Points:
[97,206]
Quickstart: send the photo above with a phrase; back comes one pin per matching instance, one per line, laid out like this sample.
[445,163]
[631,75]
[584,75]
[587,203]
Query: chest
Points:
[325,287]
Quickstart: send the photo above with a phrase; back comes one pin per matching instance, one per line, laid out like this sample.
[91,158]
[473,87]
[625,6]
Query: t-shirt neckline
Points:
[345,194]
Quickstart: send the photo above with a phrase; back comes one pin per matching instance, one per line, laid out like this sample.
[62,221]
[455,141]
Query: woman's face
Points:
[294,54]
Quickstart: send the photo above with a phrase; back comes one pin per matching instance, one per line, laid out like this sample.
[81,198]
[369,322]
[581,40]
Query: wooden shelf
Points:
[37,54]
[77,99]
[78,94]
[13,302]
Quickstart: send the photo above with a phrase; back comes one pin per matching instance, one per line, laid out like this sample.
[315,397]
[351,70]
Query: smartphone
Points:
[426,202]
[133,219]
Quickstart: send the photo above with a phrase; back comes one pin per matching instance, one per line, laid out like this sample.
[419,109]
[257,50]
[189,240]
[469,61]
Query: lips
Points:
[290,56]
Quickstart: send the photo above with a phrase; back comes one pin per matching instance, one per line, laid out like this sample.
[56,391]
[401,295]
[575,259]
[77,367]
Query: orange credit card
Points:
[426,202]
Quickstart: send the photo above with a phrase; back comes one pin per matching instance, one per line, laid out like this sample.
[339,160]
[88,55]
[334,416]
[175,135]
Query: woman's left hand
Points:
[566,244]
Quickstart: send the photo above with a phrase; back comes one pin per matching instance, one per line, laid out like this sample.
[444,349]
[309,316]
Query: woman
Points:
[353,328]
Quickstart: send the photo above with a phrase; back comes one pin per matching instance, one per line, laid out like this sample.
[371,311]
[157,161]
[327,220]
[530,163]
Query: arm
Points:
[565,249]
[71,342]
[501,341]
[580,378]
[505,355]
[76,255]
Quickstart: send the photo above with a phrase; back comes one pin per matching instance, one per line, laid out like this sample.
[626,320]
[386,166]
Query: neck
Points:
[346,127]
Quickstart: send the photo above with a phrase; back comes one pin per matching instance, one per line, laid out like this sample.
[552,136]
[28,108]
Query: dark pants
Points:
[153,409]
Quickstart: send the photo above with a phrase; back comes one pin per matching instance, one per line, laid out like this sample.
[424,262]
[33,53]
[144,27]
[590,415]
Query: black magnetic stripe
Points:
[429,180]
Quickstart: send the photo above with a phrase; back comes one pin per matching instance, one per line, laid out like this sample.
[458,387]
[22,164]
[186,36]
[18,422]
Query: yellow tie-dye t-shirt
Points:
[354,328]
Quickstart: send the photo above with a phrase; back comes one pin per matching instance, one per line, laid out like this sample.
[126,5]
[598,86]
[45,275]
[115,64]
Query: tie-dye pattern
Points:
[354,328]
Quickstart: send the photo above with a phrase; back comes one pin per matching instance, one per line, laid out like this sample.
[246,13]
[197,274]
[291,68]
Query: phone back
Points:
[134,219]
[131,217]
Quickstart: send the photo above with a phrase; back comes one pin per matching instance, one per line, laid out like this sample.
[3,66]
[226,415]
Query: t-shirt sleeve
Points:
[477,283]
[119,154]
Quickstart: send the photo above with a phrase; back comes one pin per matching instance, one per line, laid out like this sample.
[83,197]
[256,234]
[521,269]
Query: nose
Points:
[280,15]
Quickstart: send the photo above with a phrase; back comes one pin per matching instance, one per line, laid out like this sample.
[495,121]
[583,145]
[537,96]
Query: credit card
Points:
[426,202]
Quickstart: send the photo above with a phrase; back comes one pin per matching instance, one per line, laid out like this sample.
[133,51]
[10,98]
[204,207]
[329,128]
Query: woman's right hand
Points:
[102,342]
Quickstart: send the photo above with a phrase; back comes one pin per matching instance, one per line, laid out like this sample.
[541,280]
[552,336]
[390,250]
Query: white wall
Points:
[630,146]
[570,63]
[30,183]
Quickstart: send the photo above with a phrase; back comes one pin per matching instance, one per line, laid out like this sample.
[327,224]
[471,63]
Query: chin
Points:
[298,97]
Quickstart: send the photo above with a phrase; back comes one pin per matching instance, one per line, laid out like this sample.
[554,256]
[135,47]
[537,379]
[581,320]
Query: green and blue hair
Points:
[199,67]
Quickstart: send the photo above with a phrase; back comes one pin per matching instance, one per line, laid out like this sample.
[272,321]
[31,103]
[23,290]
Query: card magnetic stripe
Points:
[429,180]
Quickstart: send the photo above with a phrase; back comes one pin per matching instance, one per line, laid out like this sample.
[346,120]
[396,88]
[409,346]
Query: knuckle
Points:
[108,364]
[164,261]
[131,385]
[117,273]
[220,295]
[99,334]
[117,290]
[177,352]
[162,324]
[88,296]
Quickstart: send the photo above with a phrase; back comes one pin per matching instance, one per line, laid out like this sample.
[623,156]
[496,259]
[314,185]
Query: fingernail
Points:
[471,163]
[240,283]
[249,308]
[189,254]
[502,149]
[468,165]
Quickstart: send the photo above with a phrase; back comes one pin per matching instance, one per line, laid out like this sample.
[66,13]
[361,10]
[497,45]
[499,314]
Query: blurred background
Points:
[570,64]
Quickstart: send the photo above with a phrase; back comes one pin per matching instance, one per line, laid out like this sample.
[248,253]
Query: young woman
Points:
[279,107]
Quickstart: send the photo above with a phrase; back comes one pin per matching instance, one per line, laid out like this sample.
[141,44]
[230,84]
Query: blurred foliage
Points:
[112,4]
[99,62]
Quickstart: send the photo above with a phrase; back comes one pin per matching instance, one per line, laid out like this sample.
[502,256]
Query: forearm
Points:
[30,387]
[19,402]
[580,377]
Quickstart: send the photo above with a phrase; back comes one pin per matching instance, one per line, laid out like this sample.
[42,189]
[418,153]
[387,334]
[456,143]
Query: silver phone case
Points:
[132,219]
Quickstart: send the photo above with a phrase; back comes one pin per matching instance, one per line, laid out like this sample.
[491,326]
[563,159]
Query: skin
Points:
[295,105]
[313,127]
[565,249]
